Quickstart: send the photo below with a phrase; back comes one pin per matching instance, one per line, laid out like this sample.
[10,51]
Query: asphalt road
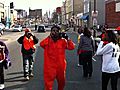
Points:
[74,81]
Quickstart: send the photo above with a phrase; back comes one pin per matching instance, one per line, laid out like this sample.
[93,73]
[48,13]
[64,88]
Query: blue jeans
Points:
[27,64]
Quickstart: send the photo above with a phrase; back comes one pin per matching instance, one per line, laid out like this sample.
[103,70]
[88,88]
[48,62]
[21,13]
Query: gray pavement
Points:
[74,81]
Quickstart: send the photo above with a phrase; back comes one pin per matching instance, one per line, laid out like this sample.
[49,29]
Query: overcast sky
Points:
[45,5]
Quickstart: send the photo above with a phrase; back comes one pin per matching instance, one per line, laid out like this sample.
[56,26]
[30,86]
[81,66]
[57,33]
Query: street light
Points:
[73,8]
[95,23]
[95,18]
[94,5]
[8,19]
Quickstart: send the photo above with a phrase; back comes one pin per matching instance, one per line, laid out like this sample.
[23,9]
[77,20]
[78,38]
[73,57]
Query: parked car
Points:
[17,28]
[41,28]
[2,28]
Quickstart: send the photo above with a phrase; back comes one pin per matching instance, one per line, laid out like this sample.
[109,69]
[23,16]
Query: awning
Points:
[118,28]
[85,17]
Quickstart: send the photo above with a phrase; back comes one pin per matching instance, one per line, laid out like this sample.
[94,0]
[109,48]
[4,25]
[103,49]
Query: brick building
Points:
[2,13]
[37,13]
[112,13]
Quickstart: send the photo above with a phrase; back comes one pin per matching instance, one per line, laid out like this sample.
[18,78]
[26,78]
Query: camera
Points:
[64,35]
[29,34]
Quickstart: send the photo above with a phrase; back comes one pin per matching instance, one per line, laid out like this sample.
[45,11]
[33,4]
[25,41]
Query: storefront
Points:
[2,13]
[85,20]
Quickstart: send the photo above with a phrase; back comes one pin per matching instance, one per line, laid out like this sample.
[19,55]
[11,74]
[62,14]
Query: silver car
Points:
[2,28]
[17,28]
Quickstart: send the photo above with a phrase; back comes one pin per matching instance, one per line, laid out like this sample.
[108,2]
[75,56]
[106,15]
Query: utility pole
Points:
[73,15]
[65,11]
[95,24]
[73,8]
[95,19]
[94,5]
[8,18]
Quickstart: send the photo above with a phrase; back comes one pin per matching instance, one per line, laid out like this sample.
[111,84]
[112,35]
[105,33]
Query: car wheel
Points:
[1,32]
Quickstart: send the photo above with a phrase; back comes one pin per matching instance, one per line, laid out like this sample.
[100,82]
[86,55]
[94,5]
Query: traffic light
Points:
[11,11]
[11,5]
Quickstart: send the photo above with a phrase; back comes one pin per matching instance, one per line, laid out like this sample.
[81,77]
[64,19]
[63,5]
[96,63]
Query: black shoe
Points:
[89,75]
[27,78]
[85,76]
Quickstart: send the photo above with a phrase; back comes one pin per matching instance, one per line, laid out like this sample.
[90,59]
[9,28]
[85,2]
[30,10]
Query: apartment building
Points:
[71,10]
[91,19]
[112,13]
[2,12]
[36,13]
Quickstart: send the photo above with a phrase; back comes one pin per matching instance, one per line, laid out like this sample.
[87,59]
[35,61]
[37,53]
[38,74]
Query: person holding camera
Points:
[4,62]
[110,63]
[28,41]
[54,57]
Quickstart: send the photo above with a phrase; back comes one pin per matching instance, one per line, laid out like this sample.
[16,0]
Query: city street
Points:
[72,16]
[14,79]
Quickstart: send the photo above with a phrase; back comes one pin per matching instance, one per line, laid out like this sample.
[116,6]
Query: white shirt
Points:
[110,57]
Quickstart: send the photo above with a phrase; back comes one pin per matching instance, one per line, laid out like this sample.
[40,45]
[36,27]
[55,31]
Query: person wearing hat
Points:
[28,41]
[54,57]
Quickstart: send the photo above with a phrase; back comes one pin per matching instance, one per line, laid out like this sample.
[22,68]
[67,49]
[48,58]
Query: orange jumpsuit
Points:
[55,61]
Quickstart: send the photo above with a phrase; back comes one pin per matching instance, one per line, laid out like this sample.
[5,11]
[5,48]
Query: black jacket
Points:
[27,52]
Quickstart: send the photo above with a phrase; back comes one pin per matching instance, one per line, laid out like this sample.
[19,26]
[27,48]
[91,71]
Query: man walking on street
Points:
[28,41]
[54,57]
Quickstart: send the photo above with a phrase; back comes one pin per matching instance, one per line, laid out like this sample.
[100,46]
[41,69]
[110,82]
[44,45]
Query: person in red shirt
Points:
[54,57]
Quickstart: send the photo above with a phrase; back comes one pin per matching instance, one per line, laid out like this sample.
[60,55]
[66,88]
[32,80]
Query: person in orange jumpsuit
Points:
[54,57]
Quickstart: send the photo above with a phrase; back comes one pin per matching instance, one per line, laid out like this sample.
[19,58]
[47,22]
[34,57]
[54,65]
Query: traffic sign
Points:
[94,22]
[94,13]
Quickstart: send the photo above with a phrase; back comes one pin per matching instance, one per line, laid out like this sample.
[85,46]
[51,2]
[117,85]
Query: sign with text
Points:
[94,13]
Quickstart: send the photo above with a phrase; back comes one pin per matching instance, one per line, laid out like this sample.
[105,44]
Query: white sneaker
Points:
[78,65]
[2,86]
[27,78]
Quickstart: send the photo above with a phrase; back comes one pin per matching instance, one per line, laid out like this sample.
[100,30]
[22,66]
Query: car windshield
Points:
[16,26]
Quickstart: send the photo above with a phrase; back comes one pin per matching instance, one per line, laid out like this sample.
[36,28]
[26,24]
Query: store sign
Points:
[94,22]
[94,14]
[118,7]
